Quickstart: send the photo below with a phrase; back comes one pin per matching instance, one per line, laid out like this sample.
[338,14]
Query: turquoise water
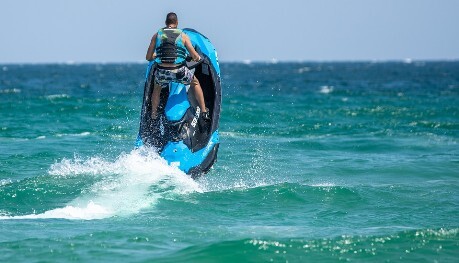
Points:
[318,162]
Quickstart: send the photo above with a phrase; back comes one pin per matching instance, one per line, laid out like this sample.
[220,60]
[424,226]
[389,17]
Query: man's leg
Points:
[155,100]
[197,92]
[204,119]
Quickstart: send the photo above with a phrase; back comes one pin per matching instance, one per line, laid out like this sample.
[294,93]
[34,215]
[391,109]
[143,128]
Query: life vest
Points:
[169,46]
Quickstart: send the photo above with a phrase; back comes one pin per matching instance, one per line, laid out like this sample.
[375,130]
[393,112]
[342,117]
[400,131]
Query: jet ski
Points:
[178,134]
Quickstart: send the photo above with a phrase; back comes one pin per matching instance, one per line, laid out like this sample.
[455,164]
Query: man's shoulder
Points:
[184,34]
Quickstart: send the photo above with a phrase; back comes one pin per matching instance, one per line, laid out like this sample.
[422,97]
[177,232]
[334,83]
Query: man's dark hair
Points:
[171,18]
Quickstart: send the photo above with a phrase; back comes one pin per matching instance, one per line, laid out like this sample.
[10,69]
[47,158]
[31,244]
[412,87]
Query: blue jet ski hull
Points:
[177,133]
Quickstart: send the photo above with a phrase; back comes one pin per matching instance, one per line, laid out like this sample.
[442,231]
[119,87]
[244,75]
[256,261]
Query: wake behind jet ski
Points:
[178,130]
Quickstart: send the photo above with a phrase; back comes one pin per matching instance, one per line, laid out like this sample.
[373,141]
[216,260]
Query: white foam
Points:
[132,182]
[57,96]
[91,211]
[303,69]
[326,89]
[323,184]
[407,60]
[5,182]
[10,91]
[74,134]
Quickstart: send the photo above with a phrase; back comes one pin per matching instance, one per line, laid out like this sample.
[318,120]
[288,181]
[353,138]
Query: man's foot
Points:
[204,121]
[205,115]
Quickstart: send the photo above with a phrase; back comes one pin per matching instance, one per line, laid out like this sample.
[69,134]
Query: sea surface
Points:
[318,162]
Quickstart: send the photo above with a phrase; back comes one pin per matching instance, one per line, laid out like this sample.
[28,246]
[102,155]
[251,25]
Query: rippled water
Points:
[318,162]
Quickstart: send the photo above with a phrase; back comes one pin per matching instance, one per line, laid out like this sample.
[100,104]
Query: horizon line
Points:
[245,61]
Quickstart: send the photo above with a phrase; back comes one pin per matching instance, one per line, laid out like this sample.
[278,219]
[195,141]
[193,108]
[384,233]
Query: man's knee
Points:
[195,81]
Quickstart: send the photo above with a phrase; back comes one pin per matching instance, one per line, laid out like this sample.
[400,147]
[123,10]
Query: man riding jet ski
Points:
[181,127]
[168,49]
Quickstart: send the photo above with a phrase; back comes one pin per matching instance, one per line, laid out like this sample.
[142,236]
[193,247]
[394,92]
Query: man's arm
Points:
[151,49]
[190,48]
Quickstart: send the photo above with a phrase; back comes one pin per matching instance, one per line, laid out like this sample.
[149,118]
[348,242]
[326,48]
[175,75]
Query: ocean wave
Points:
[57,96]
[5,182]
[326,89]
[323,184]
[86,133]
[89,212]
[398,245]
[408,245]
[304,69]
[6,91]
[132,182]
